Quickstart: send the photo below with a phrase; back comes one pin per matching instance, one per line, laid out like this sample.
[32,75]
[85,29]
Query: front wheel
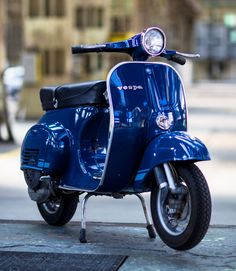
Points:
[181,218]
[58,211]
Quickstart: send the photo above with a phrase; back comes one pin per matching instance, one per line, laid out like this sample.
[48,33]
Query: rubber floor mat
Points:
[37,261]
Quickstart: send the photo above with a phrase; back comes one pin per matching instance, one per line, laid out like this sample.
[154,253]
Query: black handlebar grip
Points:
[80,49]
[178,59]
[76,49]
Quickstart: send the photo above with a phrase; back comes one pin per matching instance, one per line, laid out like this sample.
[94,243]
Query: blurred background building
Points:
[215,40]
[38,34]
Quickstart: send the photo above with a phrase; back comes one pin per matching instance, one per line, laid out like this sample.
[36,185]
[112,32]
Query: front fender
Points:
[169,147]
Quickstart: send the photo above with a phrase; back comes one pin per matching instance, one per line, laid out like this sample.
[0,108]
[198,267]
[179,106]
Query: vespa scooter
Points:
[123,136]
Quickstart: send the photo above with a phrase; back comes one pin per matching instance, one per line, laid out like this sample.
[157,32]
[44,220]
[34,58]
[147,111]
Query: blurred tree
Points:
[4,113]
[2,36]
[4,116]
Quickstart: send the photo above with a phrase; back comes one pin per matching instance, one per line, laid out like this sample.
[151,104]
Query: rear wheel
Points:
[182,218]
[58,211]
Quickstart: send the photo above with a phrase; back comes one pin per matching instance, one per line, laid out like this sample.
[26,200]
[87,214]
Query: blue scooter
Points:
[123,136]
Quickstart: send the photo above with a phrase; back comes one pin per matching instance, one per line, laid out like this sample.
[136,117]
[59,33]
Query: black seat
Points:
[71,95]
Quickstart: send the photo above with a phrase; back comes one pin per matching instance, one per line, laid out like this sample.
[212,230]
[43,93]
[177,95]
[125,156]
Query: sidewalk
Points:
[217,251]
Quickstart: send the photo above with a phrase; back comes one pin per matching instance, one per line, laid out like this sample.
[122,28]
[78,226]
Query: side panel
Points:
[46,148]
[176,146]
[82,167]
[89,127]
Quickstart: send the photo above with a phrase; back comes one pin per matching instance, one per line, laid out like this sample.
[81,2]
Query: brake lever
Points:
[188,55]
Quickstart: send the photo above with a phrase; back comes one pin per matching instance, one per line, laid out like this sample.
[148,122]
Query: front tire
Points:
[182,220]
[58,211]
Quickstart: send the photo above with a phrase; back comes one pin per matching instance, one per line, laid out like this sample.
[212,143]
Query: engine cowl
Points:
[46,148]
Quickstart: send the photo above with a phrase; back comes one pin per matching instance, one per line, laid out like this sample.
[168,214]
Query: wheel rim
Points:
[174,221]
[51,207]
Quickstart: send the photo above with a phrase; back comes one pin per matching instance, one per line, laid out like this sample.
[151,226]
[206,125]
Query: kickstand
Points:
[149,227]
[82,237]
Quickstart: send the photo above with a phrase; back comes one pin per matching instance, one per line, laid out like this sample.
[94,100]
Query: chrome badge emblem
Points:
[163,121]
[133,87]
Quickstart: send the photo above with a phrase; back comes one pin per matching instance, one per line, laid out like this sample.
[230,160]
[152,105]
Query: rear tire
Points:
[58,212]
[185,228]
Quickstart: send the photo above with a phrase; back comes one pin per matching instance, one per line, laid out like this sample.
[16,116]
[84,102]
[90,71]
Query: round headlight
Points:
[153,41]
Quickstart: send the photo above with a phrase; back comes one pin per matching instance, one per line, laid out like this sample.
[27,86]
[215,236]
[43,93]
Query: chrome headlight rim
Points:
[144,33]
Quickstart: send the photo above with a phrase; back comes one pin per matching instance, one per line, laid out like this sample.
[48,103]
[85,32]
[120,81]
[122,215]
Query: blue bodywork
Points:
[174,146]
[113,149]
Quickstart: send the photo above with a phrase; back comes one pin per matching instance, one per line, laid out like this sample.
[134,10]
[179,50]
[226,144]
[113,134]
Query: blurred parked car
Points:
[13,79]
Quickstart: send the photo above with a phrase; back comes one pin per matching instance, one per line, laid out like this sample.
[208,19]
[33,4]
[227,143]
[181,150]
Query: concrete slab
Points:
[217,251]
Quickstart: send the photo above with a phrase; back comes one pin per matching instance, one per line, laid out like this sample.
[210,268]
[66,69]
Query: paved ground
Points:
[216,252]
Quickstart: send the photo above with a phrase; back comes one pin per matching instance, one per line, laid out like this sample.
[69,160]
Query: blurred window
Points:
[128,23]
[100,62]
[88,63]
[232,36]
[34,8]
[46,62]
[60,8]
[216,15]
[121,24]
[115,24]
[89,17]
[53,62]
[91,63]
[79,17]
[100,17]
[59,62]
[47,8]
[230,20]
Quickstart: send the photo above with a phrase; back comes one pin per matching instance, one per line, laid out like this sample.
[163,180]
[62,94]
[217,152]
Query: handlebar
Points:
[128,47]
[119,47]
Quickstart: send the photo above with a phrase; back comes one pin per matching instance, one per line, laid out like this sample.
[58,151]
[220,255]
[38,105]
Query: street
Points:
[212,118]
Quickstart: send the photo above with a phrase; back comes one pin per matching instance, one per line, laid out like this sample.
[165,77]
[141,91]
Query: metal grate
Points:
[27,261]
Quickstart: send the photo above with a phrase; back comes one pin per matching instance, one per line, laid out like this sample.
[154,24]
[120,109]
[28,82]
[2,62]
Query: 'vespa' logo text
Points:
[134,87]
